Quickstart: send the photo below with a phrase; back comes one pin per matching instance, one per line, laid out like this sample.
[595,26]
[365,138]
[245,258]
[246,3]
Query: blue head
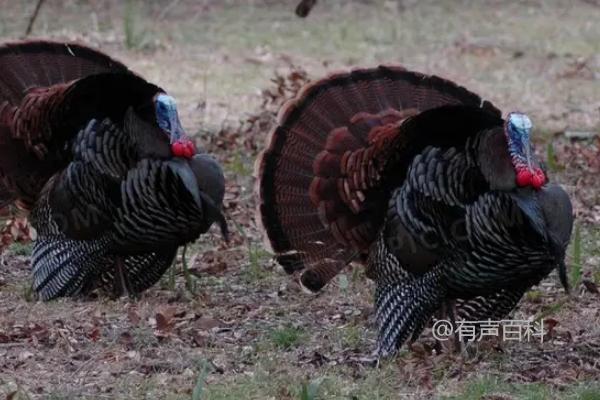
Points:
[167,119]
[167,116]
[518,132]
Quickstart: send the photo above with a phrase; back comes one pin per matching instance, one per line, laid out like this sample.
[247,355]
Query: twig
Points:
[33,17]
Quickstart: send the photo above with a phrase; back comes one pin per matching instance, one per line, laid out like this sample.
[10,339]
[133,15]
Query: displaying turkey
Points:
[99,158]
[422,180]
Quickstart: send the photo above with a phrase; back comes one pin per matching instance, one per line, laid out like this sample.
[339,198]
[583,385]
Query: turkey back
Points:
[337,151]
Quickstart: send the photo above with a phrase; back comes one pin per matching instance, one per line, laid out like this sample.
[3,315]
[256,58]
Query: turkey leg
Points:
[120,286]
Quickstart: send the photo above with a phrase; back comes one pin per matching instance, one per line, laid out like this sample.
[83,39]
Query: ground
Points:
[236,327]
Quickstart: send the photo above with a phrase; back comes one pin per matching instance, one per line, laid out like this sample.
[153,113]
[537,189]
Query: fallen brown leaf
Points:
[164,319]
[133,316]
[550,324]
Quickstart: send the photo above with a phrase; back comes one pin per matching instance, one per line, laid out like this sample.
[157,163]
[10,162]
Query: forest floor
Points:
[237,327]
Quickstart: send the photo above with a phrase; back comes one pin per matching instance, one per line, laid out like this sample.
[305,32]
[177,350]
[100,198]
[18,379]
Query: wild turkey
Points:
[424,181]
[99,158]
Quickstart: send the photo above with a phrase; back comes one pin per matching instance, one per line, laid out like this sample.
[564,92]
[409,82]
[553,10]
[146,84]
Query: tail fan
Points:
[13,156]
[48,91]
[321,181]
[6,196]
[30,64]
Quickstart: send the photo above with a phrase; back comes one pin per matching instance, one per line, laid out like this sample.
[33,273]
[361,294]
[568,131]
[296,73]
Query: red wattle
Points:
[178,149]
[190,149]
[538,180]
[524,178]
[185,149]
[188,152]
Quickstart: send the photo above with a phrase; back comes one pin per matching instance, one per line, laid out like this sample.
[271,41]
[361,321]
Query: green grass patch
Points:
[551,309]
[551,160]
[351,336]
[596,277]
[310,389]
[287,337]
[240,165]
[200,387]
[492,387]
[257,257]
[587,392]
[334,383]
[534,296]
[21,249]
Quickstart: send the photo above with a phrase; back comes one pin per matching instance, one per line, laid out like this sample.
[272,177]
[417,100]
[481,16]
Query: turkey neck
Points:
[549,210]
[494,161]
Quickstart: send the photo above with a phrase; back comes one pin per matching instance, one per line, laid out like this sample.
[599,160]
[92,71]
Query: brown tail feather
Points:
[321,193]
[6,197]
[40,80]
[19,171]
[29,64]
